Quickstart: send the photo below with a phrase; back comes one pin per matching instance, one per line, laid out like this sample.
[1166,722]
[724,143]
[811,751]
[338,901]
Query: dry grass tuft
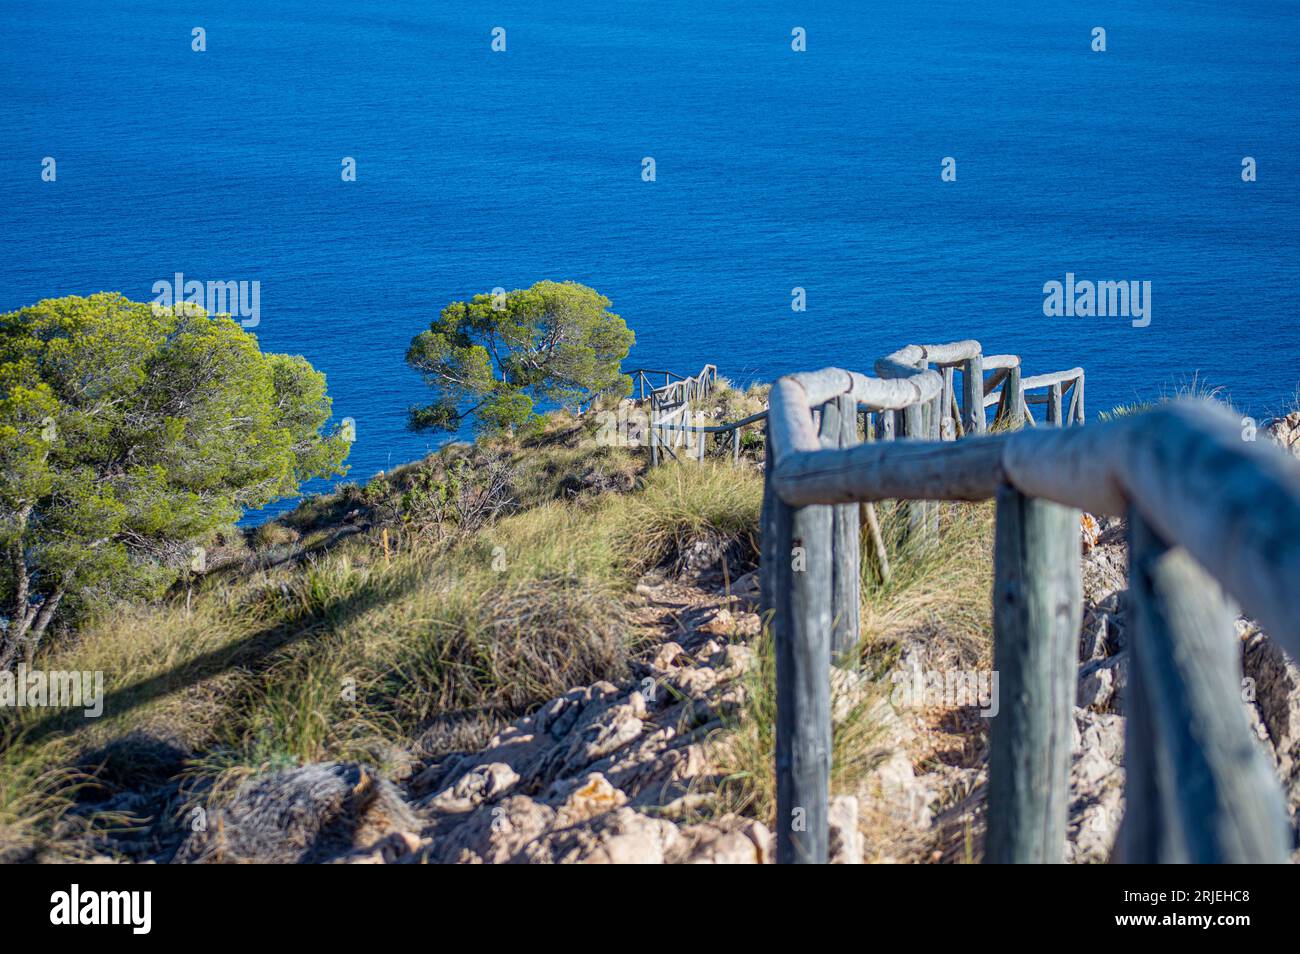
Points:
[939,592]
[746,752]
[680,506]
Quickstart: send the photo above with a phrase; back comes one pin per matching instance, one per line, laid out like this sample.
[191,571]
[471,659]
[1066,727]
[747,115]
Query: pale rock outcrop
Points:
[730,840]
[846,842]
[1096,785]
[1274,682]
[1101,683]
[1285,432]
[316,813]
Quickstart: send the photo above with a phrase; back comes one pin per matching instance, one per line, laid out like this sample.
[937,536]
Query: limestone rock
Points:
[315,813]
[666,655]
[1096,785]
[846,841]
[1285,432]
[1276,687]
[1101,683]
[730,840]
[482,783]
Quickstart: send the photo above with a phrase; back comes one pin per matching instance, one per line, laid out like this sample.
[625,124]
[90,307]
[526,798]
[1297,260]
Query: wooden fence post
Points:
[654,432]
[1054,405]
[767,543]
[885,425]
[948,433]
[972,391]
[1037,609]
[913,428]
[1011,409]
[801,623]
[1140,831]
[934,431]
[1216,799]
[840,429]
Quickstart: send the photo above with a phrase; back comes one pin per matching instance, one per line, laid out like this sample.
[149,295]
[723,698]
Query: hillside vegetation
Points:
[381,624]
[539,630]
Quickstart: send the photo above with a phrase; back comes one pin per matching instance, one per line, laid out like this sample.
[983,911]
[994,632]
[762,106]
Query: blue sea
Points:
[775,170]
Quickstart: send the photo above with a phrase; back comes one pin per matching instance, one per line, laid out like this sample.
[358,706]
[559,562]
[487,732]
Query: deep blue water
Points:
[775,169]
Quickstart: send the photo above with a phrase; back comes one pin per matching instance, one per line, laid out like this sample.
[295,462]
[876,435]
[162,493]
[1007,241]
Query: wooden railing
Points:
[942,417]
[671,407]
[1211,518]
[676,388]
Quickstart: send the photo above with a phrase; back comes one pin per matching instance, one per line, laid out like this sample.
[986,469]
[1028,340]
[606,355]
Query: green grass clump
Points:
[681,505]
[746,753]
[1190,389]
[363,650]
[939,587]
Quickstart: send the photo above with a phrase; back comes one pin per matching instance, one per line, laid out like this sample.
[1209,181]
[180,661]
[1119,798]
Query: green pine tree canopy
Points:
[128,433]
[494,358]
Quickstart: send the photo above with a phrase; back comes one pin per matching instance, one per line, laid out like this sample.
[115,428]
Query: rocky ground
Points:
[629,773]
[637,772]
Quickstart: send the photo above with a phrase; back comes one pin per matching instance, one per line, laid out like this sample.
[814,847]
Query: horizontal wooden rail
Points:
[1230,507]
[716,428]
[1184,466]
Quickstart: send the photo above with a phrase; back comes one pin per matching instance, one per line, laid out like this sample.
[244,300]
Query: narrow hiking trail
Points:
[673,763]
[645,771]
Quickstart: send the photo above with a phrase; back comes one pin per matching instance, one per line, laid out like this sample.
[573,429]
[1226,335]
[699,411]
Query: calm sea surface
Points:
[775,170]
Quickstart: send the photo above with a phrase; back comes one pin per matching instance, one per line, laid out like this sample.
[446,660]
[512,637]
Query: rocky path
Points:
[631,773]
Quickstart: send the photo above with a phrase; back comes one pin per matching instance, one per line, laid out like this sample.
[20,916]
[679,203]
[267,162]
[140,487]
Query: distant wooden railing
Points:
[1208,514]
[672,407]
[942,417]
[676,388]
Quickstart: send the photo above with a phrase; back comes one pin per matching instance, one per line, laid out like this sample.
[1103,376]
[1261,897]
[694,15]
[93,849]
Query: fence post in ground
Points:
[934,431]
[972,390]
[1037,609]
[840,429]
[654,433]
[913,428]
[885,425]
[796,586]
[1011,409]
[1141,831]
[1054,405]
[947,426]
[1216,799]
[767,545]
[1077,403]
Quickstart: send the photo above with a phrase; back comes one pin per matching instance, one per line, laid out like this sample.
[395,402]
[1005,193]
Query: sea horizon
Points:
[775,170]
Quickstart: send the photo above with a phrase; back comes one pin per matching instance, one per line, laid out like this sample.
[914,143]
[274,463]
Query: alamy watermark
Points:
[238,299]
[53,689]
[1085,299]
[631,426]
[130,908]
[946,689]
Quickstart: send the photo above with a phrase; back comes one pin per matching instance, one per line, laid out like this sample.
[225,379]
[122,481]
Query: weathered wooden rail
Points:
[942,416]
[670,408]
[675,384]
[1211,518]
